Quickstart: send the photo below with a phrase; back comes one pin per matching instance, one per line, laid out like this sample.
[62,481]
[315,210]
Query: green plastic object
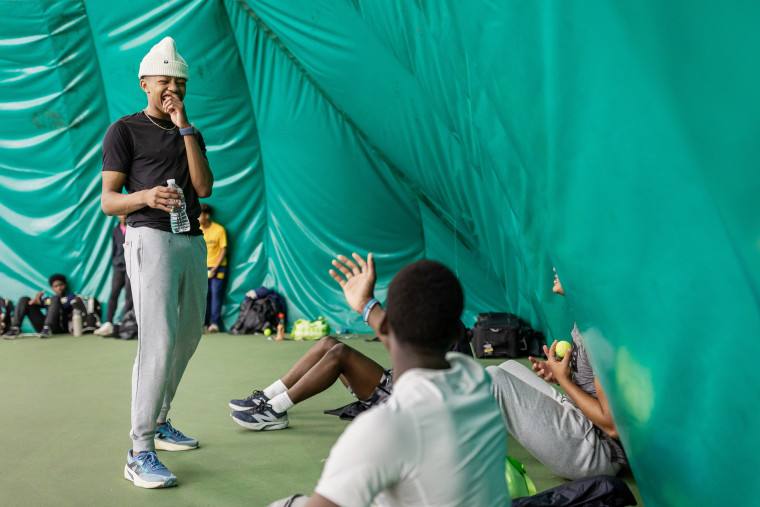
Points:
[517,479]
[615,141]
[310,330]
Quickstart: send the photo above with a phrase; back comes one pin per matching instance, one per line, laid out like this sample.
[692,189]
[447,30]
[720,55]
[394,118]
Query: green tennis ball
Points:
[268,331]
[561,348]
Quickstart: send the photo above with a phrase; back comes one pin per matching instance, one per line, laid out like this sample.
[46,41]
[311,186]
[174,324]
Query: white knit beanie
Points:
[163,60]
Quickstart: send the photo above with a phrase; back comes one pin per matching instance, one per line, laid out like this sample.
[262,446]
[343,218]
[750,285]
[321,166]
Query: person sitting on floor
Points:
[439,439]
[572,434]
[58,308]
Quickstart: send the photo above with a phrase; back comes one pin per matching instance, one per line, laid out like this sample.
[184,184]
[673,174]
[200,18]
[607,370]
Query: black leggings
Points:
[119,281]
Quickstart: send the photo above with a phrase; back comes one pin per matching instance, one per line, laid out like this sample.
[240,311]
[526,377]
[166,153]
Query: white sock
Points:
[275,389]
[281,403]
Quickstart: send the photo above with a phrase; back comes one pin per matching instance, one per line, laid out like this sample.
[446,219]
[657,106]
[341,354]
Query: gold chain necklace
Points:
[156,124]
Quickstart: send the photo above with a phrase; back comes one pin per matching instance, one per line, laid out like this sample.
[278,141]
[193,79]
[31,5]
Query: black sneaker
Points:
[261,418]
[249,402]
[45,333]
[12,333]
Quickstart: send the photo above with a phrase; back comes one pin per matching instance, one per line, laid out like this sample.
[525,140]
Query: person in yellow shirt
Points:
[216,261]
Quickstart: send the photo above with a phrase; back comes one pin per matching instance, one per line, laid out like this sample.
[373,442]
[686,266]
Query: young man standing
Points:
[216,262]
[167,271]
[440,438]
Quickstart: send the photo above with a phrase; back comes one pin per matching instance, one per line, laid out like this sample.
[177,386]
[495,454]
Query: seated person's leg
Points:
[293,375]
[22,310]
[356,370]
[53,323]
[550,428]
[316,371]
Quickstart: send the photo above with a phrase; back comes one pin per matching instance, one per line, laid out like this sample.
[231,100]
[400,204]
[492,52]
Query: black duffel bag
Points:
[497,335]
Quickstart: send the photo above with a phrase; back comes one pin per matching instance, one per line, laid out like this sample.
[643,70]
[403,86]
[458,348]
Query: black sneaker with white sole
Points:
[249,402]
[261,418]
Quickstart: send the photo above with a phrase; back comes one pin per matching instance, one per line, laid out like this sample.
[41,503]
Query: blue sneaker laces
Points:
[170,430]
[151,462]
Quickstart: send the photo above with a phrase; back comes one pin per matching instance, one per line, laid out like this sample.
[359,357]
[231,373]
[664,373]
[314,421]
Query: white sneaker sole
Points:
[162,445]
[263,426]
[140,483]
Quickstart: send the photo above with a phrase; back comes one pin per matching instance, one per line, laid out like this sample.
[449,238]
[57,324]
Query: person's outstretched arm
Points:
[596,409]
[357,279]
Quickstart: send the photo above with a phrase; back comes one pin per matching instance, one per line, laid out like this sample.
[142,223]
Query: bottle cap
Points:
[170,182]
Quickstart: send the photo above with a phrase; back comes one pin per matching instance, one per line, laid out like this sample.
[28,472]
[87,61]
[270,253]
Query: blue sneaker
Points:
[146,471]
[249,402]
[168,438]
[262,417]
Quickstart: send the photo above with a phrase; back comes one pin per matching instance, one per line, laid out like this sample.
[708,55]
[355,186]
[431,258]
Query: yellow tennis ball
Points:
[561,348]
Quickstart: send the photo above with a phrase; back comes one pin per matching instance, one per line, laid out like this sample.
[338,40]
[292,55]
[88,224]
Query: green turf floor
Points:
[64,425]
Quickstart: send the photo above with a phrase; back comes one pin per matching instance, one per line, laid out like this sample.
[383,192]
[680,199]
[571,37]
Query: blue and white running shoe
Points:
[249,402]
[146,471]
[169,438]
[262,417]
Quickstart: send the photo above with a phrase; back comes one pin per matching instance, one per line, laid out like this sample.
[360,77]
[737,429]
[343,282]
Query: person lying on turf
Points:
[572,434]
[439,439]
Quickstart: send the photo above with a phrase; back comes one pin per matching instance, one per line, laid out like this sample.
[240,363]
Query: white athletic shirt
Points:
[439,440]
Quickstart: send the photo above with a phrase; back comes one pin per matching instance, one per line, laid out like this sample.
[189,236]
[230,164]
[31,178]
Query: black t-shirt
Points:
[149,156]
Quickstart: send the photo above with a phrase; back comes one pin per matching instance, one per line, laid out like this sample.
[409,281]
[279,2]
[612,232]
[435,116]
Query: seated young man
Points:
[58,308]
[573,434]
[439,439]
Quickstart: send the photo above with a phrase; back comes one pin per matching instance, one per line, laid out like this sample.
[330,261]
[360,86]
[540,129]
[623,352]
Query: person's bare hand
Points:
[174,107]
[560,369]
[163,198]
[357,279]
[37,298]
[542,370]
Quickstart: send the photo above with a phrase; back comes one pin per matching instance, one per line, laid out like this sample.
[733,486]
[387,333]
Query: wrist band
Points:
[187,131]
[368,308]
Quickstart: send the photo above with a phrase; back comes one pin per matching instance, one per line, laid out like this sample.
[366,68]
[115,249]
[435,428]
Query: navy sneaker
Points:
[45,333]
[168,438]
[249,402]
[146,471]
[261,418]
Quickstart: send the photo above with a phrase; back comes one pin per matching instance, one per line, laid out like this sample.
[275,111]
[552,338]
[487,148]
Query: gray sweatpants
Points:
[169,282]
[551,428]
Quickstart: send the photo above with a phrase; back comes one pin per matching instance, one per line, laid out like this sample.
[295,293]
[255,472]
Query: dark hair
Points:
[206,208]
[56,277]
[424,305]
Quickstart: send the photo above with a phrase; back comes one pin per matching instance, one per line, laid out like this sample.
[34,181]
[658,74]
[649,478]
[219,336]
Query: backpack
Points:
[505,335]
[91,318]
[127,328]
[259,311]
[6,313]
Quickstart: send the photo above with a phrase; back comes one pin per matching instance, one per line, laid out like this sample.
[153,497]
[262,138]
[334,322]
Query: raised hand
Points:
[357,279]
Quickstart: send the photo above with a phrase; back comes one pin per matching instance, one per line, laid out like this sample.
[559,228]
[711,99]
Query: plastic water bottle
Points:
[280,327]
[180,222]
[76,322]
